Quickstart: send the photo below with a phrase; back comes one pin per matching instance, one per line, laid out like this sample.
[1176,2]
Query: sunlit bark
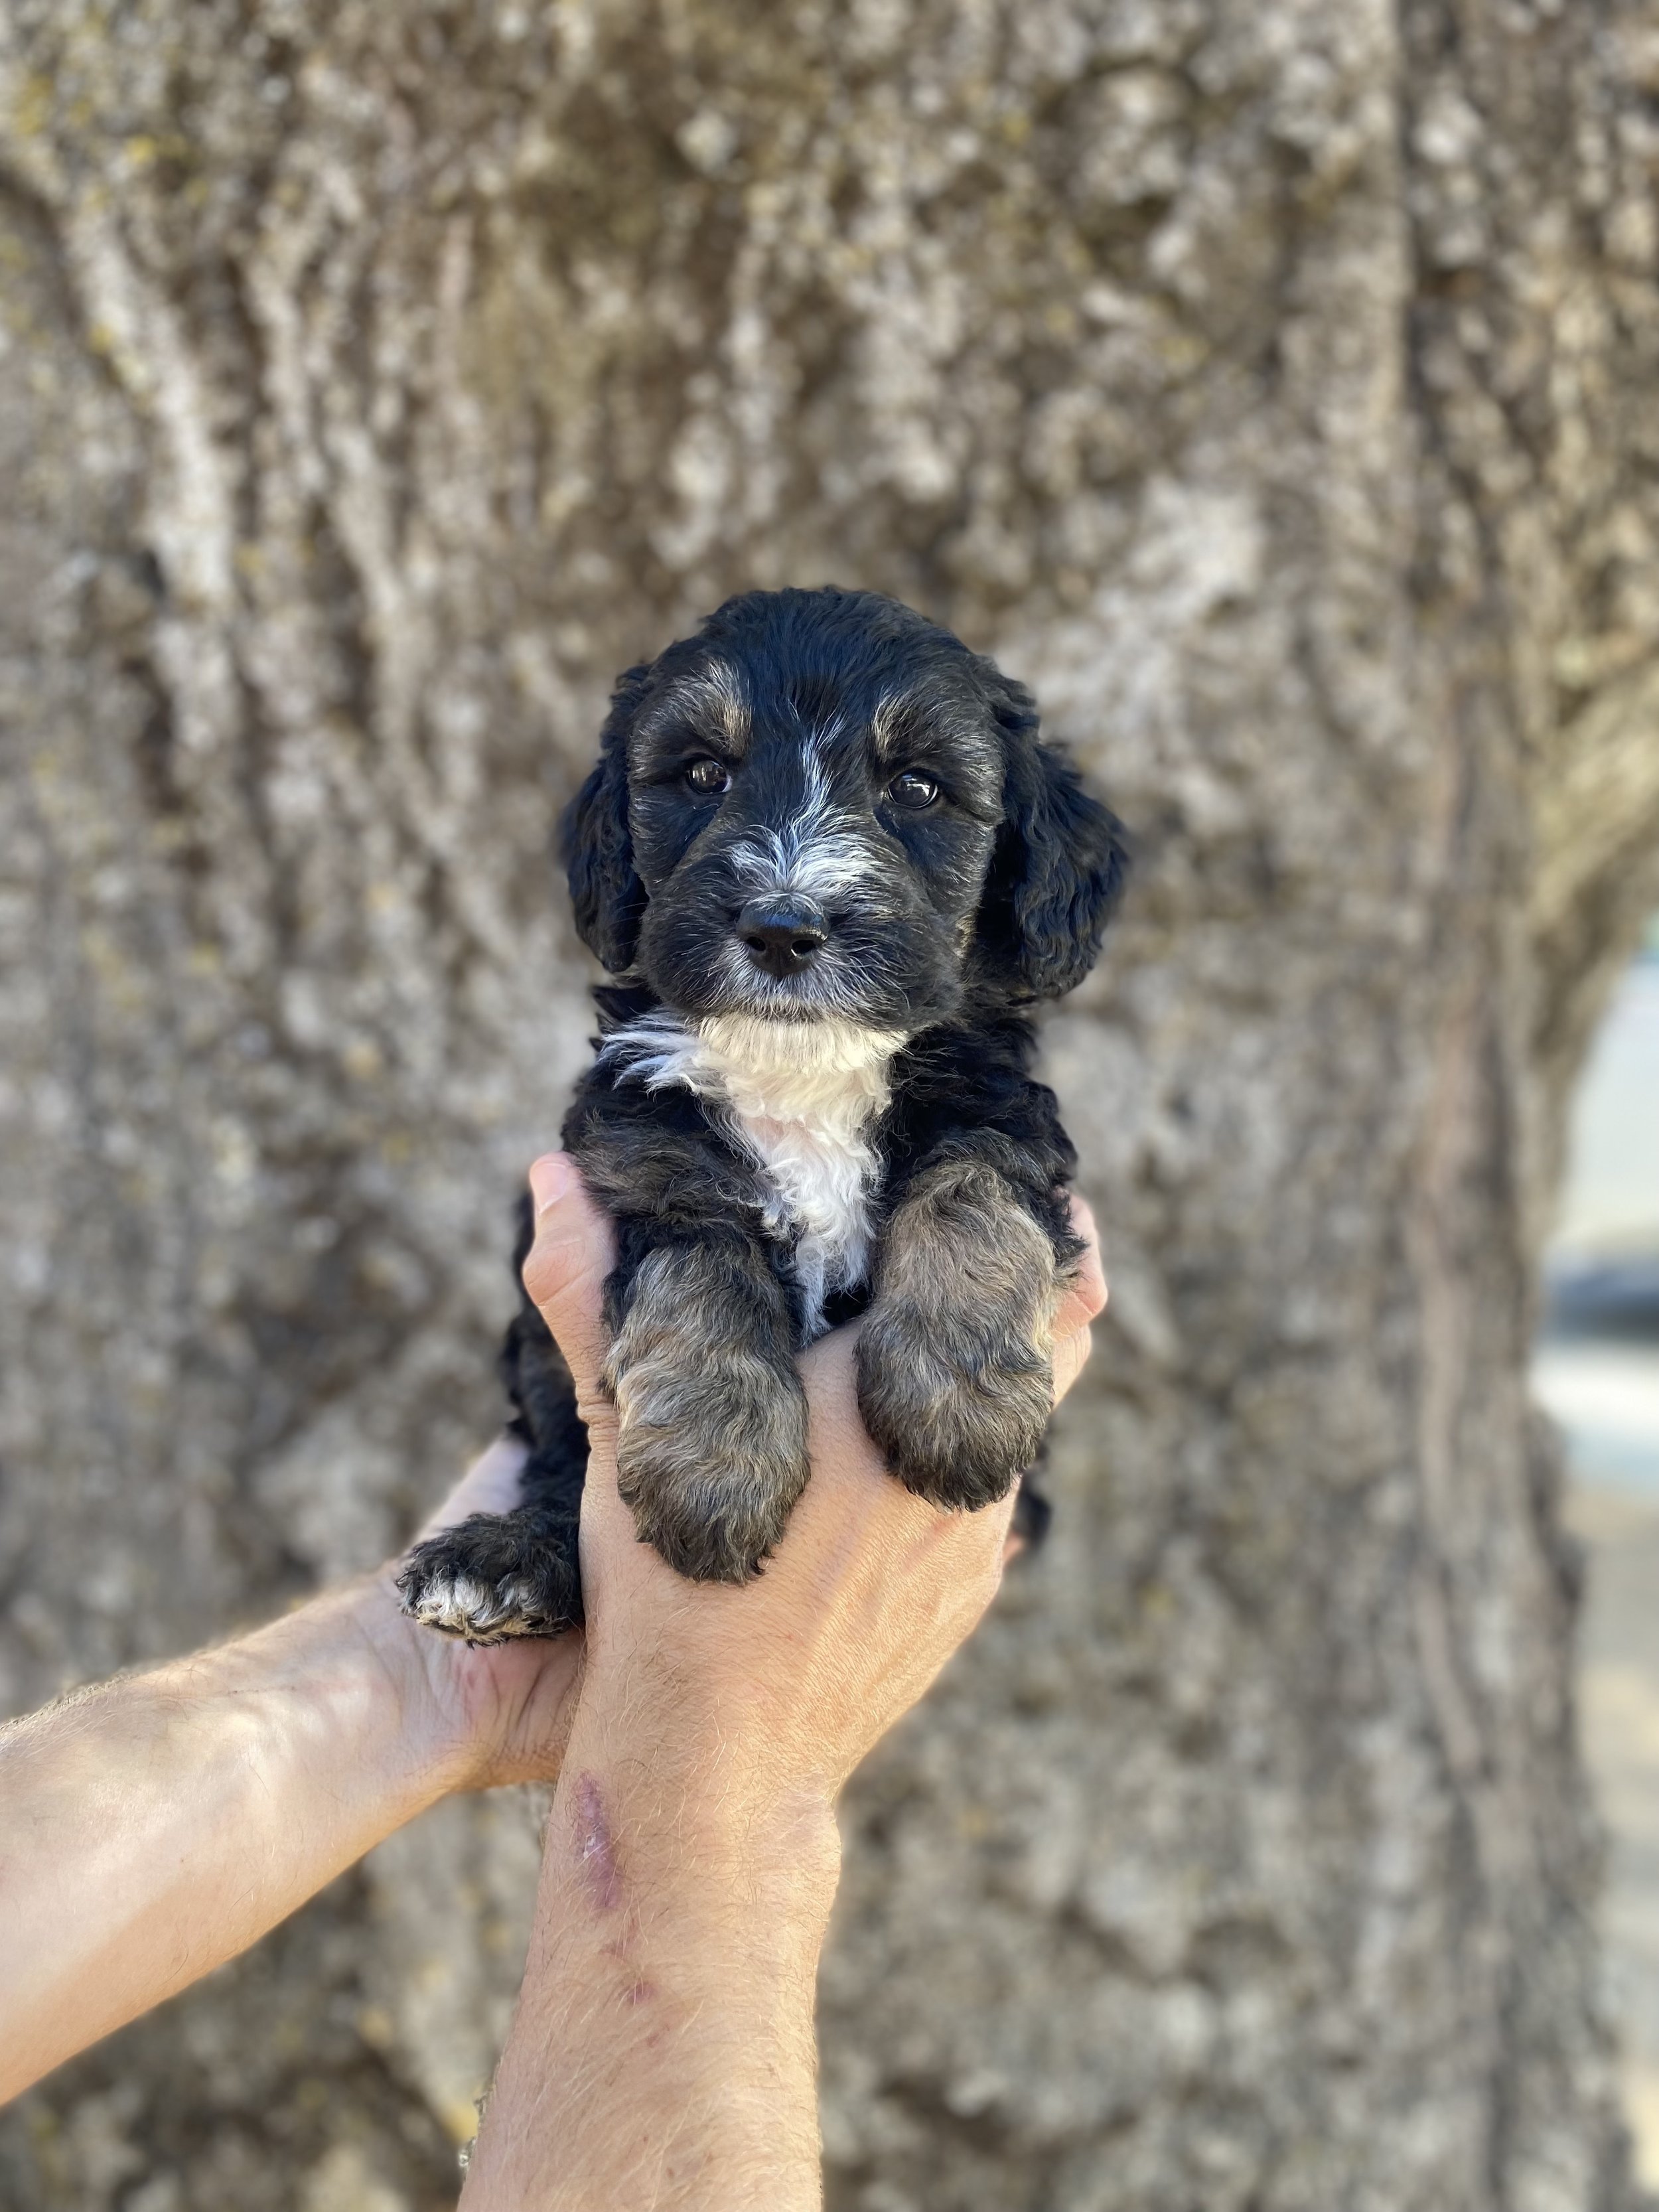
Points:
[1270,384]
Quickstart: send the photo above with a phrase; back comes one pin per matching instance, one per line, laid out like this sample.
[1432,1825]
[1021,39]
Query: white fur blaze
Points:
[802,1098]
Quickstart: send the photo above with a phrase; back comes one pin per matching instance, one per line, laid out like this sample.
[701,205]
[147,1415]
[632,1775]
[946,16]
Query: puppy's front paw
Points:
[957,1406]
[495,1577]
[955,1380]
[710,1463]
[711,1444]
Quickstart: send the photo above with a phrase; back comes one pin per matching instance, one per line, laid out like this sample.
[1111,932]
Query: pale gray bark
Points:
[1268,382]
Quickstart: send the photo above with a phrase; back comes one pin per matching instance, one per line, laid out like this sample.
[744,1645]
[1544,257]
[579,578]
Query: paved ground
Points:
[1619,1708]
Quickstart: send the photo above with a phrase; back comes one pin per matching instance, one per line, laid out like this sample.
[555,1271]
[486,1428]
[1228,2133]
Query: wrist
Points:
[695,1831]
[396,1699]
[664,2047]
[468,1717]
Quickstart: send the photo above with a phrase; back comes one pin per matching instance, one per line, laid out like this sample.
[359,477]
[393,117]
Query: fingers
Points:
[848,1467]
[1085,1297]
[573,1253]
[574,1248]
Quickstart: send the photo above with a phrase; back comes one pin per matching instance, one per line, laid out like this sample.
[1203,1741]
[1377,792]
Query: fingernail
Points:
[549,1178]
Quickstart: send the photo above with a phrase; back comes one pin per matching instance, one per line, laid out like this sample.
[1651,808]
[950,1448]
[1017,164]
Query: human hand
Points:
[775,1691]
[493,1714]
[864,1565]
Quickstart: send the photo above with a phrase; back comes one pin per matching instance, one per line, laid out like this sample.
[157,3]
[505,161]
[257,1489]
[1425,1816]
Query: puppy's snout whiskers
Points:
[824,985]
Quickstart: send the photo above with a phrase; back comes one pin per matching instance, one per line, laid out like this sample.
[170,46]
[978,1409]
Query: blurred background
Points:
[1267,383]
[1597,1370]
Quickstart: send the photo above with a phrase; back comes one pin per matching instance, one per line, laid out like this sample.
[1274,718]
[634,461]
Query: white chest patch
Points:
[802,1098]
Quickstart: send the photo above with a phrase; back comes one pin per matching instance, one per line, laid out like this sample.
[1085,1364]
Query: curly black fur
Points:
[830,861]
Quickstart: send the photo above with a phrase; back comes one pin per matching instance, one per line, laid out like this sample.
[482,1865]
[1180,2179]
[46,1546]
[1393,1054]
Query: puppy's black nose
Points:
[782,933]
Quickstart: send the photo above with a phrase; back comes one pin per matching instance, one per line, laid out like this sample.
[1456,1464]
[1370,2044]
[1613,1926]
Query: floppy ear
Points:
[598,852]
[1059,866]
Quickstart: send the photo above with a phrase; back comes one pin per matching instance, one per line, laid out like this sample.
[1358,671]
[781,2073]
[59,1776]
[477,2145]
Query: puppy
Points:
[830,862]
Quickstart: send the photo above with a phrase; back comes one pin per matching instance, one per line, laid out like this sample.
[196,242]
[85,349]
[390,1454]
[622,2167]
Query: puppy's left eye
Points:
[912,790]
[706,777]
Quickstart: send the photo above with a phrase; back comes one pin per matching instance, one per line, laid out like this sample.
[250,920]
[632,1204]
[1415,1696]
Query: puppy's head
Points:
[823,804]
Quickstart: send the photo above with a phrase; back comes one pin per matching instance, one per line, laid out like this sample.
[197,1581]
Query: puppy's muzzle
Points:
[782,933]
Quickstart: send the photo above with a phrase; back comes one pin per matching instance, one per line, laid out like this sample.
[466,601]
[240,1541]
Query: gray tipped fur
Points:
[955,1357]
[711,1449]
[496,1576]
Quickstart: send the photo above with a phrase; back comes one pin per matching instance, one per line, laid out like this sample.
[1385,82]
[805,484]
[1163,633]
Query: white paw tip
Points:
[462,1606]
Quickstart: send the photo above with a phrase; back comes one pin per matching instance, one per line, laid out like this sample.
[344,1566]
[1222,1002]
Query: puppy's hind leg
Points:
[711,1447]
[496,1576]
[500,1575]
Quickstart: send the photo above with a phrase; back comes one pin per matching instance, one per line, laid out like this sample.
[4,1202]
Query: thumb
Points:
[573,1253]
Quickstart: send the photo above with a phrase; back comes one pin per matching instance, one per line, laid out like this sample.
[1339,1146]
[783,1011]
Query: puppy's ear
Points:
[1059,866]
[606,893]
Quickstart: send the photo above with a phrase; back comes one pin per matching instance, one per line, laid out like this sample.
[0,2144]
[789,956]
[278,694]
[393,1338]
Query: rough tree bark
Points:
[1267,381]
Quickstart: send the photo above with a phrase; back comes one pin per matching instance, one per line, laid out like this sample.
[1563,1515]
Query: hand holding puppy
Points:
[663,2051]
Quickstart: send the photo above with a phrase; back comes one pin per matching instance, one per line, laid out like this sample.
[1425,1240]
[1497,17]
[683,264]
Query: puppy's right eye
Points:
[707,776]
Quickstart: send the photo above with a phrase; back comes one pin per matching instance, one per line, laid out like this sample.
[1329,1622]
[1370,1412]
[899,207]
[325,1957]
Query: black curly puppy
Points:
[830,860]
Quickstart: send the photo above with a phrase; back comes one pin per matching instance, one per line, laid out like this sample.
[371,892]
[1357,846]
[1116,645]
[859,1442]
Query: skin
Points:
[662,2054]
[155,1825]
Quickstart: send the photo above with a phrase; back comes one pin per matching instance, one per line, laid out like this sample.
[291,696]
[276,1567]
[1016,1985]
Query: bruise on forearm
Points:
[663,2051]
[596,1847]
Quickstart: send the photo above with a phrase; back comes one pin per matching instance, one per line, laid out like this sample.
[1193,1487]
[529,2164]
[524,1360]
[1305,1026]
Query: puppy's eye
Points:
[707,776]
[912,790]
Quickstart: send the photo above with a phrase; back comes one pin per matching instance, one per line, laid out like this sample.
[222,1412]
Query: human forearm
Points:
[663,2054]
[152,1828]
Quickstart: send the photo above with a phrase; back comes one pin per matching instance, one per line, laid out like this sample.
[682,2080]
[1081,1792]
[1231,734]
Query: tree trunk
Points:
[1267,382]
